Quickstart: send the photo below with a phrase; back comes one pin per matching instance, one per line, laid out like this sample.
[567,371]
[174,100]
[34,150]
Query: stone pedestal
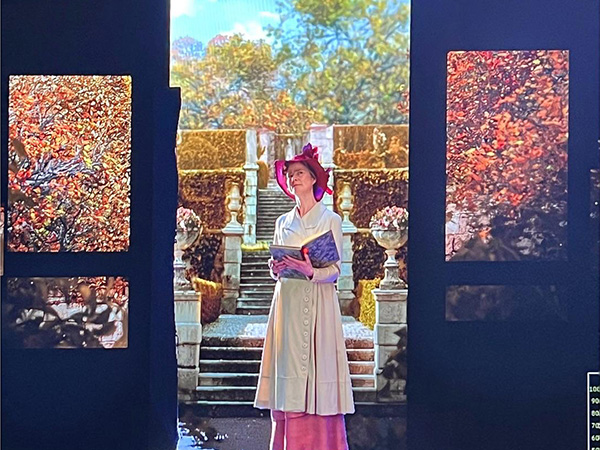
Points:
[321,136]
[345,282]
[390,318]
[250,188]
[232,263]
[346,279]
[188,327]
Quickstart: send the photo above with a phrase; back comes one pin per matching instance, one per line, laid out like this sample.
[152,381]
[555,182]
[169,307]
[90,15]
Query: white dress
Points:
[304,366]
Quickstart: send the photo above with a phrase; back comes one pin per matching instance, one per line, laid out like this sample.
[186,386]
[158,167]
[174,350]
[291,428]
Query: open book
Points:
[322,252]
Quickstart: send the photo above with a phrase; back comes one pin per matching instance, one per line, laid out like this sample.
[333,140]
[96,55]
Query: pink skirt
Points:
[302,431]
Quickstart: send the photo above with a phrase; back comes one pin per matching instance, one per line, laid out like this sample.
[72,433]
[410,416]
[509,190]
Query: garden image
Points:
[256,87]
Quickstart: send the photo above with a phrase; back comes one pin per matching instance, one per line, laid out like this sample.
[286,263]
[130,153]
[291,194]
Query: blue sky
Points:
[204,19]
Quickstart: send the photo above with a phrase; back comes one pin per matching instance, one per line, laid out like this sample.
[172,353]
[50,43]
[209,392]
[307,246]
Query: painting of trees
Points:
[233,85]
[333,61]
[69,163]
[346,59]
[507,133]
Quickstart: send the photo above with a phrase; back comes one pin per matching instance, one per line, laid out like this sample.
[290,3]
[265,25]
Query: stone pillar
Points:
[345,282]
[250,188]
[390,318]
[232,260]
[189,336]
[321,136]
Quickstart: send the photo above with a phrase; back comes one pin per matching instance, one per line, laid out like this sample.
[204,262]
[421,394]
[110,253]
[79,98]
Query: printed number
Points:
[596,425]
[595,413]
[596,438]
[594,388]
[596,401]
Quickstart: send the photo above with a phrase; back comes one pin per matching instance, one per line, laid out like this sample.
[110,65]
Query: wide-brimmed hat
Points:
[310,158]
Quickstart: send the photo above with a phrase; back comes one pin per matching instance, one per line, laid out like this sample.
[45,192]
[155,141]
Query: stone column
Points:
[232,260]
[250,188]
[188,328]
[390,318]
[345,282]
[321,136]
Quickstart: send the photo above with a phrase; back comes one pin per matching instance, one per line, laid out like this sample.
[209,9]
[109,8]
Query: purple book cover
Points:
[322,252]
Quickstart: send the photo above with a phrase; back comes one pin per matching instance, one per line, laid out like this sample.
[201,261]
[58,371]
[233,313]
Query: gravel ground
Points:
[231,325]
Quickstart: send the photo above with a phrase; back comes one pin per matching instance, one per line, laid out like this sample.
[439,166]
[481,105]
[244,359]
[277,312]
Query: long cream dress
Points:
[304,365]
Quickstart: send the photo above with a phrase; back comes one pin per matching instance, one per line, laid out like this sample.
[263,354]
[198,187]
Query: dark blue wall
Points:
[121,398]
[499,385]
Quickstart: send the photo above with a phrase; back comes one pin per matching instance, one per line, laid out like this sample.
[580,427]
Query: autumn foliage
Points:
[507,131]
[69,163]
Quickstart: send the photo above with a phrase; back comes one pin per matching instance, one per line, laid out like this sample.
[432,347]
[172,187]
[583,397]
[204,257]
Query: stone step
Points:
[230,353]
[217,346]
[254,263]
[250,302]
[256,274]
[252,311]
[233,365]
[247,393]
[360,354]
[250,366]
[250,344]
[255,285]
[251,379]
[249,257]
[250,283]
[265,292]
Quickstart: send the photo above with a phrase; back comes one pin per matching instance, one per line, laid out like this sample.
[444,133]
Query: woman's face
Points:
[300,179]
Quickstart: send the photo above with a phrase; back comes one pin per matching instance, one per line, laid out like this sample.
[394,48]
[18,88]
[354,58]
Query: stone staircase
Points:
[230,359]
[256,284]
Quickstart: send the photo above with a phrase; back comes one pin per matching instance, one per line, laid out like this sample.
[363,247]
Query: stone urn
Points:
[389,227]
[189,228]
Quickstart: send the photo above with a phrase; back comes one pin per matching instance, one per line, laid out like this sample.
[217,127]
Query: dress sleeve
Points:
[331,273]
[276,242]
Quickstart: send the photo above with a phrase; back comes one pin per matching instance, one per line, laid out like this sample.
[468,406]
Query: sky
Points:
[204,19]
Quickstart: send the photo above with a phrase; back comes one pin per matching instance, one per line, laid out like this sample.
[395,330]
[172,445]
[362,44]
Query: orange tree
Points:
[233,84]
[69,163]
[507,128]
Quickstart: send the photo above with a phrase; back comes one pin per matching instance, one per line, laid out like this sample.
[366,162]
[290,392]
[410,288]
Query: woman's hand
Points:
[276,266]
[305,267]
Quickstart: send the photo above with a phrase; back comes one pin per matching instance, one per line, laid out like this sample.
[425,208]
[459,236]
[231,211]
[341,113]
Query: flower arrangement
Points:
[390,218]
[187,220]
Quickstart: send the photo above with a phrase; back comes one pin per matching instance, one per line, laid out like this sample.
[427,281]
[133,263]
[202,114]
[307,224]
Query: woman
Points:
[304,376]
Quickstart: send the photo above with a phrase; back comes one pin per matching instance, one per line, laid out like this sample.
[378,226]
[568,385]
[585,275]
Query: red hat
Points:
[310,158]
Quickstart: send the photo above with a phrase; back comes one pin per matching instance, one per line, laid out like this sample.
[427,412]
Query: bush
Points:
[211,299]
[367,301]
[205,191]
[211,149]
[263,174]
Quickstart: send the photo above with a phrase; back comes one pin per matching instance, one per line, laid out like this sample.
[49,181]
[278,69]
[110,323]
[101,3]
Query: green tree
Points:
[347,59]
[233,85]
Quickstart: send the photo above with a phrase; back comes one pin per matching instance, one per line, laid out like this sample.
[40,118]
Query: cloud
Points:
[269,15]
[182,8]
[251,30]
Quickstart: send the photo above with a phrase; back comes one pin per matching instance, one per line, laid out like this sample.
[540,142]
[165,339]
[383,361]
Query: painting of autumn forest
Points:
[507,132]
[69,163]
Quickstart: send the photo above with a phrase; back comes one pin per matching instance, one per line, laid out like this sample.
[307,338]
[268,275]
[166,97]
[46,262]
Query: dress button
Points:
[305,333]
[306,322]
[305,310]
[304,368]
[304,357]
[307,289]
[305,299]
[305,345]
